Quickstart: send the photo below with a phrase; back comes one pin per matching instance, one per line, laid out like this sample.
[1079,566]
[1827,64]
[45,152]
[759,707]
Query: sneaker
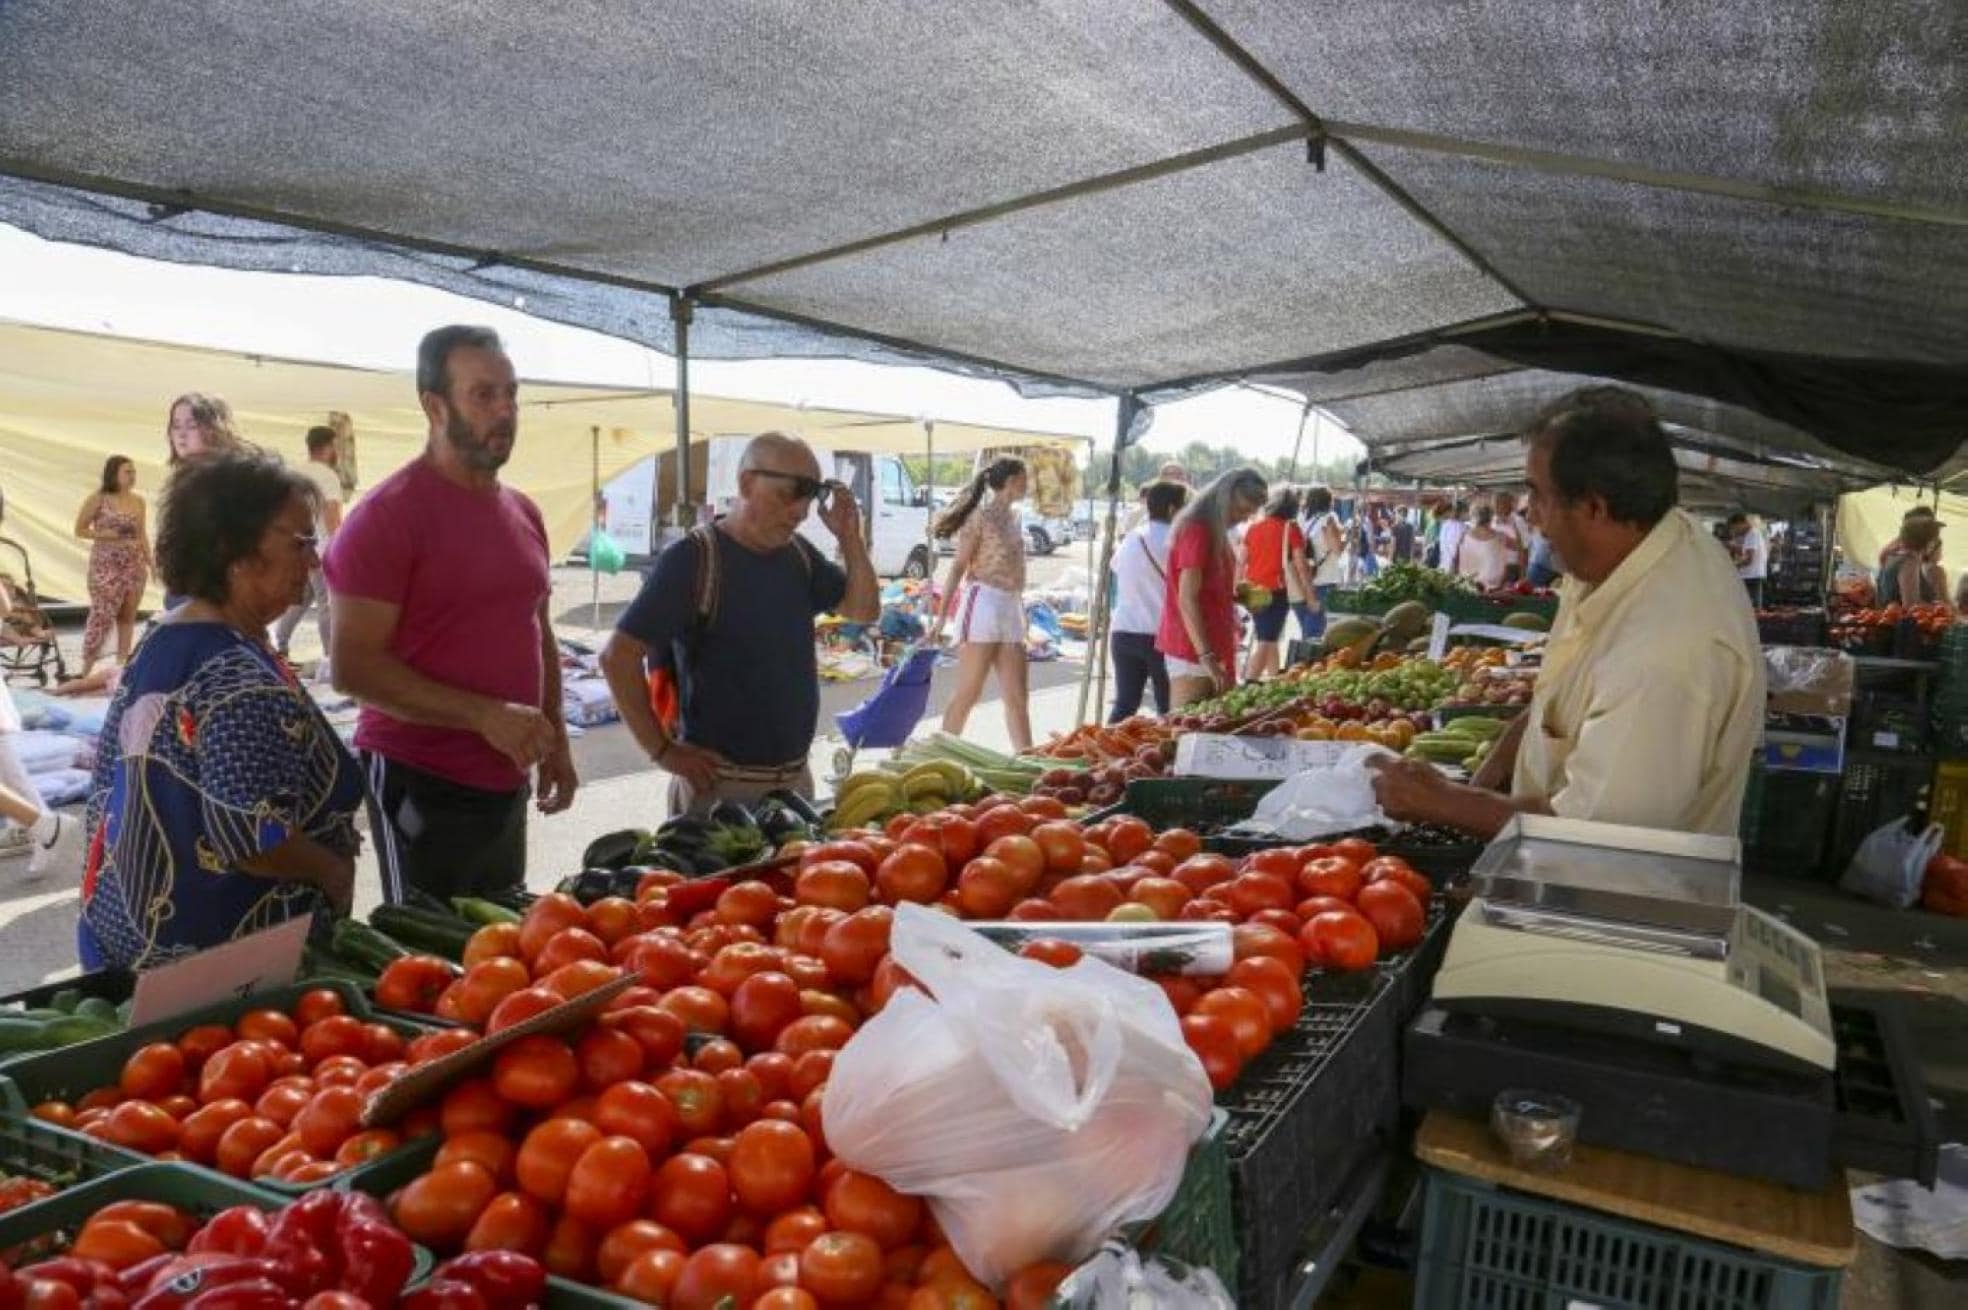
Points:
[61,852]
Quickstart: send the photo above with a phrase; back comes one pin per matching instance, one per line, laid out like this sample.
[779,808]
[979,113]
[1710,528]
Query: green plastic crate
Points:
[200,1191]
[33,1149]
[398,1168]
[70,1072]
[1199,1225]
[1489,1246]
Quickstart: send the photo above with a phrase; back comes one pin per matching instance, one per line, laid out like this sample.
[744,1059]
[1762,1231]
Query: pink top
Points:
[1191,548]
[469,571]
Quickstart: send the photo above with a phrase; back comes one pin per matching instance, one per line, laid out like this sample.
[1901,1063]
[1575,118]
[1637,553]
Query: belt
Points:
[762,773]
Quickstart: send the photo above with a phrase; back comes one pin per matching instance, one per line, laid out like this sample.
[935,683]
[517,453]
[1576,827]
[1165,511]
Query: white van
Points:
[895,512]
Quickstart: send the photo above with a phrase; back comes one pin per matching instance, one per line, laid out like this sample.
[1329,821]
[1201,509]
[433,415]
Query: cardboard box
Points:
[1813,746]
[1809,680]
[1947,805]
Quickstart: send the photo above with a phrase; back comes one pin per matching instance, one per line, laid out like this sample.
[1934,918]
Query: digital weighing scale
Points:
[1640,933]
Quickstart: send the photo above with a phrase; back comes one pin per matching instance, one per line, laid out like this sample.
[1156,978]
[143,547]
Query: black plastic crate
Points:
[1883,1119]
[1804,627]
[1787,818]
[1876,790]
[1301,1117]
[113,985]
[1888,720]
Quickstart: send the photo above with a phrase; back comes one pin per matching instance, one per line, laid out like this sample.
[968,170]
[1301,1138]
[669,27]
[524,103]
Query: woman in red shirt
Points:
[1199,620]
[1274,558]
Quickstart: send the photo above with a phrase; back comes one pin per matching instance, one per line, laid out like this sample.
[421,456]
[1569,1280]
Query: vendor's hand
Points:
[554,791]
[841,514]
[693,764]
[519,732]
[337,884]
[1412,791]
[1220,676]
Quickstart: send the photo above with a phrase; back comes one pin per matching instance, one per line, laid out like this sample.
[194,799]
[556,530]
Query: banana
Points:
[932,787]
[928,805]
[857,781]
[867,802]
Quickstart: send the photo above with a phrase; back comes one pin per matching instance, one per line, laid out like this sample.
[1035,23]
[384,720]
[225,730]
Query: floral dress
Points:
[211,754]
[116,574]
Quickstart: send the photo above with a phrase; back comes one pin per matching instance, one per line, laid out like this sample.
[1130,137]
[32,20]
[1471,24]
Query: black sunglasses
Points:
[818,490]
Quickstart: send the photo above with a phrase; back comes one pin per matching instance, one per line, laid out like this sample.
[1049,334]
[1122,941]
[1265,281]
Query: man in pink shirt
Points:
[440,583]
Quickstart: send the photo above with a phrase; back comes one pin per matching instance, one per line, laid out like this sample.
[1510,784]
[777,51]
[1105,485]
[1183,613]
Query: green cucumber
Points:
[21,1034]
[422,930]
[67,999]
[95,1007]
[77,1028]
[363,948]
[482,913]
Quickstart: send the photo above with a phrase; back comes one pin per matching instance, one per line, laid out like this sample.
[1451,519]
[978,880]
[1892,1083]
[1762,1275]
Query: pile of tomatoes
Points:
[277,1095]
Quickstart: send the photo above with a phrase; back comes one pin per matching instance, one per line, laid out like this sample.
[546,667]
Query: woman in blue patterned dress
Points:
[222,802]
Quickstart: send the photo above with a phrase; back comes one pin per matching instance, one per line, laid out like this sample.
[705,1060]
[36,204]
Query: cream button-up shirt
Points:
[1651,700]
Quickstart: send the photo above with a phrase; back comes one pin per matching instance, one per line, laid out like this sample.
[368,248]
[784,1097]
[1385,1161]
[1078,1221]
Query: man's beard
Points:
[473,448]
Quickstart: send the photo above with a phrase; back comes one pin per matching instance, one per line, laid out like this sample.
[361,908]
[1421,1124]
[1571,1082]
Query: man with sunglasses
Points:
[730,610]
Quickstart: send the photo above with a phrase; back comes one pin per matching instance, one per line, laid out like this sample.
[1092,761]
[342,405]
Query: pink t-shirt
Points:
[1191,548]
[469,572]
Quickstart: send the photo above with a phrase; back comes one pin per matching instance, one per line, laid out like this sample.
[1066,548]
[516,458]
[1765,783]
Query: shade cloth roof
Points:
[1757,204]
[69,400]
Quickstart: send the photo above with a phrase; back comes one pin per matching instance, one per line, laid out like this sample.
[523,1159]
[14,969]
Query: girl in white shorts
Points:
[985,597]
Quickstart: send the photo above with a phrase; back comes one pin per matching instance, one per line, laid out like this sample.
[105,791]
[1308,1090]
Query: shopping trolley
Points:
[27,639]
[888,716]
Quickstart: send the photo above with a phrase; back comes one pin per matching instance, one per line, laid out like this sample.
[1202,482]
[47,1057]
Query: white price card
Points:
[1438,637]
[237,969]
[1242,759]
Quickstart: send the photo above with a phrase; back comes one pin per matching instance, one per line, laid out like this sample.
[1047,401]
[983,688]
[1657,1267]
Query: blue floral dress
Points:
[211,754]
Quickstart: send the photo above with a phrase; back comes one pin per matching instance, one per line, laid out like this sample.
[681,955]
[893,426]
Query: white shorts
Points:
[1181,668]
[988,613]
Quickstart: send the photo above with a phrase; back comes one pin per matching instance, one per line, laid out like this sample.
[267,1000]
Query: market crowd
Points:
[222,801]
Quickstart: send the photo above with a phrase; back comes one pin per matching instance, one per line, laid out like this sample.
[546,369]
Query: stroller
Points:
[27,639]
[887,718]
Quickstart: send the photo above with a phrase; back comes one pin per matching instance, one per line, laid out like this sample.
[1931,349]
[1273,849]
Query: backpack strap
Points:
[706,588]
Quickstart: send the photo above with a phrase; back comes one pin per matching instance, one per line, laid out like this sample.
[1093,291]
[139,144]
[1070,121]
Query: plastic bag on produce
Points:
[1119,1279]
[1036,1109]
[1891,863]
[1336,798]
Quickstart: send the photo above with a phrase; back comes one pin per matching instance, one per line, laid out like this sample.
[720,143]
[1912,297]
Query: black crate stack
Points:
[1797,566]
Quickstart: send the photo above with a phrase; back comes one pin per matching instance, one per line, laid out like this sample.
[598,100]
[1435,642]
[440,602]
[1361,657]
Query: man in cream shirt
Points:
[1651,698]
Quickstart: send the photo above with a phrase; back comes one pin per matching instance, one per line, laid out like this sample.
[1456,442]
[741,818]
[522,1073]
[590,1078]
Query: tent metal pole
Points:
[682,310]
[1303,415]
[1124,416]
[594,524]
[929,499]
[1093,572]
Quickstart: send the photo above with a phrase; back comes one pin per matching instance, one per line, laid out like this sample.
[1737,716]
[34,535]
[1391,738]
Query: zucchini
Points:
[67,999]
[77,1028]
[421,930]
[481,913]
[325,966]
[95,1007]
[21,1034]
[363,948]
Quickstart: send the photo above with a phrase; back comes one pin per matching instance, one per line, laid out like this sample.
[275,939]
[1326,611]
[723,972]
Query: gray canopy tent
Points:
[1758,206]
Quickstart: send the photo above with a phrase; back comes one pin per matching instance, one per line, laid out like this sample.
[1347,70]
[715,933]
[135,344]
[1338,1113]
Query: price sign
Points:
[239,968]
[1438,637]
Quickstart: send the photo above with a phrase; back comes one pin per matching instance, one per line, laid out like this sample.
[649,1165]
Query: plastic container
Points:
[69,1072]
[201,1192]
[34,1149]
[1537,1129]
[1489,1246]
[112,985]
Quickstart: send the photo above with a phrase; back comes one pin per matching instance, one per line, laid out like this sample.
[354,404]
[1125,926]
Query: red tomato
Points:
[1331,876]
[1025,858]
[640,1112]
[988,886]
[1063,845]
[1165,896]
[1393,911]
[548,1155]
[1179,843]
[862,1203]
[1001,821]
[607,1056]
[694,1095]
[855,945]
[772,1166]
[153,1072]
[1086,897]
[1246,1013]
[816,1032]
[1052,951]
[838,884]
[761,1006]
[719,1275]
[842,1268]
[751,902]
[1248,939]
[1316,905]
[536,1072]
[691,1195]
[1340,939]
[1251,892]
[915,872]
[1397,869]
[1199,873]
[858,853]
[953,837]
[1274,983]
[660,1033]
[609,1184]
[1280,860]
[1356,849]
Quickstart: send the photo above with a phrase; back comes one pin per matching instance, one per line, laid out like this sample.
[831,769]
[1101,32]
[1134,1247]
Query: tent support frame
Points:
[1097,635]
[682,310]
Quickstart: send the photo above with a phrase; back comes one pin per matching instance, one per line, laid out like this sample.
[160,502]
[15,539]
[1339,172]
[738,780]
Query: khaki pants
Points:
[746,789]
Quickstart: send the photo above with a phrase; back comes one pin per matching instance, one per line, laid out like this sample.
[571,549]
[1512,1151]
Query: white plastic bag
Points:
[1890,864]
[1036,1109]
[1314,802]
[1119,1279]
